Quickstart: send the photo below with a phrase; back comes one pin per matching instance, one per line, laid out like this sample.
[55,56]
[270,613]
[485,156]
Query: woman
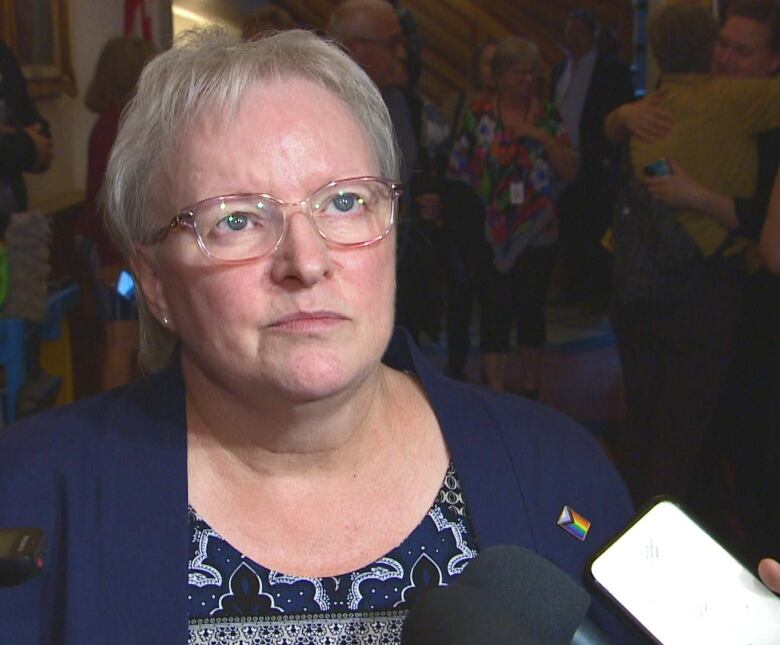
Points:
[680,275]
[116,74]
[511,150]
[274,479]
[745,397]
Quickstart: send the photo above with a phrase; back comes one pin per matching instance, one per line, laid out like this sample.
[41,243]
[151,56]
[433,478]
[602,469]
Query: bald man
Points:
[371,33]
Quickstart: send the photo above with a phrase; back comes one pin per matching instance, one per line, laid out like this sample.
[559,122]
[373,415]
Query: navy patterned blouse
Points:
[235,600]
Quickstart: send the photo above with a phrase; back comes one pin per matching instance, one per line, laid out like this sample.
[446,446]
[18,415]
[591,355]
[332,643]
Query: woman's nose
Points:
[303,256]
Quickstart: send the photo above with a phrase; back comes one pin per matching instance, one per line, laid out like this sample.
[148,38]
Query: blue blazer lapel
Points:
[473,435]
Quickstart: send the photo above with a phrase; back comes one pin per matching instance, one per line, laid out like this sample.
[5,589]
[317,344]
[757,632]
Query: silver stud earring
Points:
[165,321]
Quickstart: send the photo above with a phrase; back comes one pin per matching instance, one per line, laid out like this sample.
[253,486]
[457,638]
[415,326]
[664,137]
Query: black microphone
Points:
[461,615]
[506,595]
[536,593]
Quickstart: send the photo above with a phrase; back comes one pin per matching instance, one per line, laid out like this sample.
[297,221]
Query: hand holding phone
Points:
[659,168]
[679,585]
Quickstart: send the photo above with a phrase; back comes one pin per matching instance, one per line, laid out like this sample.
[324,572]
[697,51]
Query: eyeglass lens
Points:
[248,226]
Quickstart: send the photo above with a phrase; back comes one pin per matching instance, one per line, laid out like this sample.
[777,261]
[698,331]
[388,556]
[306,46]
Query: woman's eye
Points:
[347,202]
[235,222]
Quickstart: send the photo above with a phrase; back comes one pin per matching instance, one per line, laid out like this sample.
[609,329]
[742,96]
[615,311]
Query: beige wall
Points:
[92,23]
[184,18]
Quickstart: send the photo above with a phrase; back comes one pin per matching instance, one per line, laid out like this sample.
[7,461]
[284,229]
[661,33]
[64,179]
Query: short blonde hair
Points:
[207,69]
[512,50]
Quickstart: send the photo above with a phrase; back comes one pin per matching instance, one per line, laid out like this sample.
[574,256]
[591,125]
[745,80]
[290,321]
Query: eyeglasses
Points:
[346,213]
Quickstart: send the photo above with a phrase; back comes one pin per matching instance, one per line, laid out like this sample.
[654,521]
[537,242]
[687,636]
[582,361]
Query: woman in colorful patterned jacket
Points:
[513,149]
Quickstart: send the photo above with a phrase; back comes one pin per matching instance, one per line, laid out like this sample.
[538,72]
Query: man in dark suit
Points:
[586,87]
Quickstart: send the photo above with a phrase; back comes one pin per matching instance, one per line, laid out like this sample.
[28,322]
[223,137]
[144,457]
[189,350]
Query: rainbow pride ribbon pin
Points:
[573,523]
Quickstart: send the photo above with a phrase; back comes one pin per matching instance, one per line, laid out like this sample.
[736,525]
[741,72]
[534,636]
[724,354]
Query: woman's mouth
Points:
[308,321]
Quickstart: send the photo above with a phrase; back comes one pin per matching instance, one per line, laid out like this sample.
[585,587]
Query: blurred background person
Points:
[740,473]
[740,477]
[372,34]
[112,85]
[25,143]
[587,86]
[678,282]
[25,147]
[511,150]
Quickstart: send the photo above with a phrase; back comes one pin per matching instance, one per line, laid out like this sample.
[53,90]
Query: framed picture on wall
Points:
[38,33]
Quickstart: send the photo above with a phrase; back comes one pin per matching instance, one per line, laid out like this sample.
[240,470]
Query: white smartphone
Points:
[675,582]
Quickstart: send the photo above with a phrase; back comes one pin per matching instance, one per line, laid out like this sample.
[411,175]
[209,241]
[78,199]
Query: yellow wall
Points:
[184,19]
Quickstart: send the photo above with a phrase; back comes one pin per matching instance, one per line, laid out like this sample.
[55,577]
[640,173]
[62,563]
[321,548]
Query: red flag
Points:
[138,21]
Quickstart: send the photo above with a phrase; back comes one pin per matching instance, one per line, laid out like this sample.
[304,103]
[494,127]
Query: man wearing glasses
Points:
[371,33]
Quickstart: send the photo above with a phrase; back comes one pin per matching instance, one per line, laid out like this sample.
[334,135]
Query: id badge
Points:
[516,193]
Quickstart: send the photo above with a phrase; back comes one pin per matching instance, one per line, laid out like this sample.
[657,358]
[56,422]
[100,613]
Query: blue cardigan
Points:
[106,478]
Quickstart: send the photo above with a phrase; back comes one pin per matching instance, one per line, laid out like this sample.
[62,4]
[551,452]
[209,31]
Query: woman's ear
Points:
[147,276]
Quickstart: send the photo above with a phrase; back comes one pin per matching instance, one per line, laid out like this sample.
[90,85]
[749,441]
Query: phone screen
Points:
[125,285]
[659,168]
[682,586]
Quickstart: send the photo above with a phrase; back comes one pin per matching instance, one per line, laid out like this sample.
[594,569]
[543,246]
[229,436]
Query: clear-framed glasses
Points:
[346,213]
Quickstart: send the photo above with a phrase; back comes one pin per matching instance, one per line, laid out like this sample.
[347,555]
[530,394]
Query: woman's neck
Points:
[322,513]
[266,434]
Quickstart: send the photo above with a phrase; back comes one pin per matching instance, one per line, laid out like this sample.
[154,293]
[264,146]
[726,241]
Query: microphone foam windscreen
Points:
[537,594]
[461,615]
